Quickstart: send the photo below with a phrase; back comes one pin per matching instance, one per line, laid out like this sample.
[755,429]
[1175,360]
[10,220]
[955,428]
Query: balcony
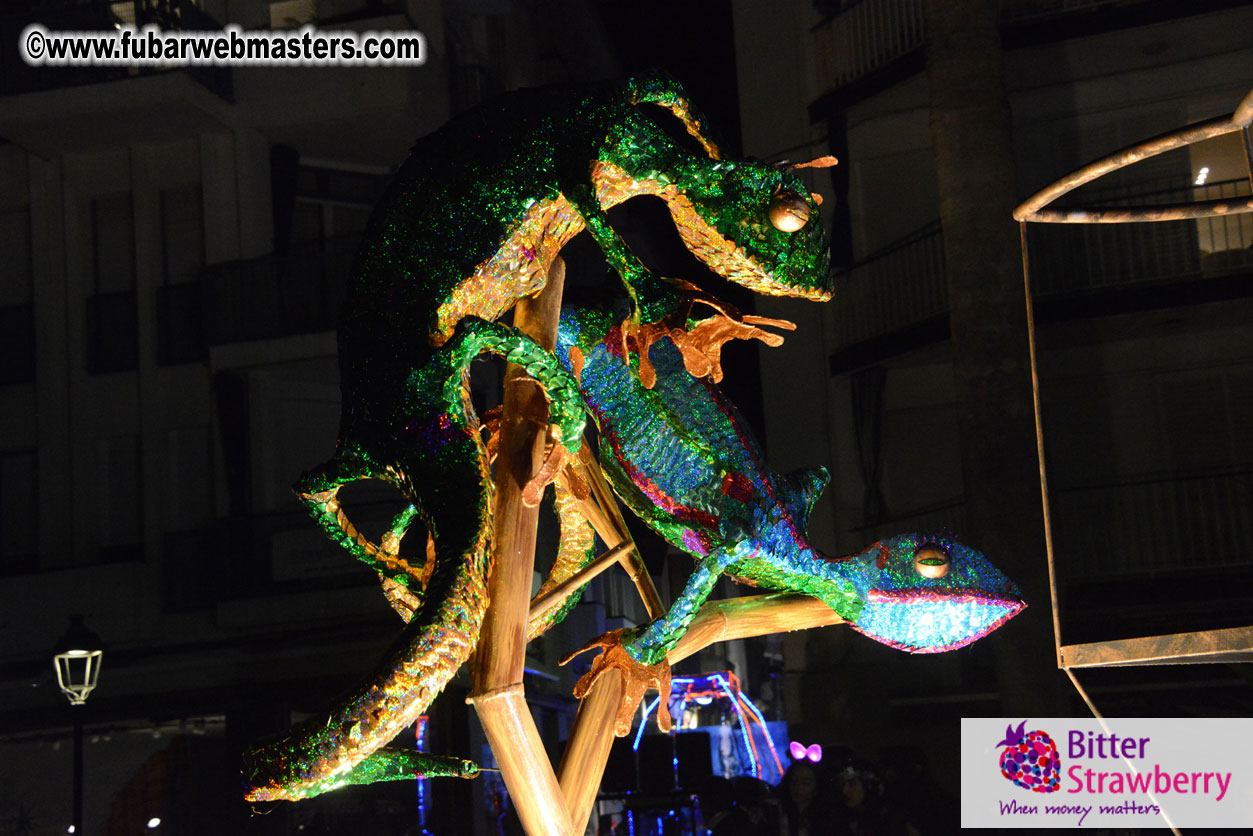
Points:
[1148,526]
[16,77]
[57,109]
[277,296]
[869,45]
[895,299]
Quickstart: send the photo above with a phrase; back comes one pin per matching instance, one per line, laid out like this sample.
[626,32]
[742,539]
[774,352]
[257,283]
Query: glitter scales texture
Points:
[681,458]
[472,224]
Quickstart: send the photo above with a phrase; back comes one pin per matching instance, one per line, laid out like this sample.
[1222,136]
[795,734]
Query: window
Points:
[112,316]
[17,312]
[119,498]
[180,318]
[19,512]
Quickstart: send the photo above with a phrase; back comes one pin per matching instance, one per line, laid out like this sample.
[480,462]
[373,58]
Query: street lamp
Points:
[77,657]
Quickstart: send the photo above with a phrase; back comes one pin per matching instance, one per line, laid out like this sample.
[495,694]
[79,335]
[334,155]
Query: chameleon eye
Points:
[931,561]
[788,211]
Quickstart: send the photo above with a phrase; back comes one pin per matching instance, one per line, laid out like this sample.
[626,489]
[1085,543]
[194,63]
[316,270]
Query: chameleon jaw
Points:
[930,622]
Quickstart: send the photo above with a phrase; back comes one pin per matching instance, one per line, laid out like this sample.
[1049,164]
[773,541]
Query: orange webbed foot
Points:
[700,344]
[636,679]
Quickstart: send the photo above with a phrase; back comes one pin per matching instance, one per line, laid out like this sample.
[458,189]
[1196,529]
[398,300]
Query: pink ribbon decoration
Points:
[800,751]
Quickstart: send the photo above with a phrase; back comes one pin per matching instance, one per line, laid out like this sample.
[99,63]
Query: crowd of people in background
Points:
[842,796]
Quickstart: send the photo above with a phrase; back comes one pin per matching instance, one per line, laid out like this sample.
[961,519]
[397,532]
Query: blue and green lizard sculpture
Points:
[473,223]
[680,456]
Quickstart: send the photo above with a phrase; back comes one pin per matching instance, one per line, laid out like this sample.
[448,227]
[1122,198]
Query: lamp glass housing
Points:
[77,673]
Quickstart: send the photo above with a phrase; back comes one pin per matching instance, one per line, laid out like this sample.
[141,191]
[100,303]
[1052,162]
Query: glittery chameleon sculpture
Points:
[679,455]
[471,225]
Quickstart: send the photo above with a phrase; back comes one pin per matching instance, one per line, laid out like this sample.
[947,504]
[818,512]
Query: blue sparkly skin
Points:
[680,456]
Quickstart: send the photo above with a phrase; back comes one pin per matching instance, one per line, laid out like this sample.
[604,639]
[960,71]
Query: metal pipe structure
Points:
[1222,645]
[1034,210]
[77,822]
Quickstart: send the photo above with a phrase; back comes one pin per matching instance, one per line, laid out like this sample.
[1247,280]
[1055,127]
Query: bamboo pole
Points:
[583,764]
[555,597]
[497,693]
[632,562]
[755,615]
[587,752]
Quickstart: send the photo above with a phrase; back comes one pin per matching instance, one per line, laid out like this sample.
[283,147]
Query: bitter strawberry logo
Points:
[1030,759]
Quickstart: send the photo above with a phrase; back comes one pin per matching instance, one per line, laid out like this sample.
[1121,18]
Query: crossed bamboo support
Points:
[551,803]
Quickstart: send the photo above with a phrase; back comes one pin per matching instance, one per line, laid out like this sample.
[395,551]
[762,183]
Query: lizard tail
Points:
[662,90]
[442,468]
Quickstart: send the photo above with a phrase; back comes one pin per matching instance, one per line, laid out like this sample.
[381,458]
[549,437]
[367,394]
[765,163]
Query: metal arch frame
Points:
[1206,646]
[1034,209]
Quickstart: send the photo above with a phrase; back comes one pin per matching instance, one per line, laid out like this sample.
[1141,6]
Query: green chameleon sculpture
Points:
[472,224]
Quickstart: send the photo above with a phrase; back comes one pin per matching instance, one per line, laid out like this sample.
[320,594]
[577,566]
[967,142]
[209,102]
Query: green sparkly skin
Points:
[471,224]
[442,468]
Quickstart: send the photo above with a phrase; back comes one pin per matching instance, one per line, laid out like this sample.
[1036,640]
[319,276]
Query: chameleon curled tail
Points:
[442,470]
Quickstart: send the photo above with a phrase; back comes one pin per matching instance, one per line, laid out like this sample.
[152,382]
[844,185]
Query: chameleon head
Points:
[755,224]
[931,594]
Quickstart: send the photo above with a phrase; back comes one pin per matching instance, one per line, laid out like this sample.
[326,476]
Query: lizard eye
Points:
[931,561]
[788,211]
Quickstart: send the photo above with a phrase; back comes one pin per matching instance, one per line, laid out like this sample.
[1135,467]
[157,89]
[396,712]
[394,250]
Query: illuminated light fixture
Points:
[78,656]
[419,733]
[154,823]
[704,689]
[648,710]
[1201,175]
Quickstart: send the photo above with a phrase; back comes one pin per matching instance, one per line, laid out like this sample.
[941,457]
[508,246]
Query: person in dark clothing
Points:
[862,811]
[753,814]
[804,811]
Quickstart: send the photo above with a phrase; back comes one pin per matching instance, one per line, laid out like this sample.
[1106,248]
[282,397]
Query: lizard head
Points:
[755,224]
[931,594]
[751,222]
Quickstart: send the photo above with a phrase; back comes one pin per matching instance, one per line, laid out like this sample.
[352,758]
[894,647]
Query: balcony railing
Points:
[1135,527]
[1154,525]
[1069,258]
[946,517]
[866,37]
[891,289]
[869,35]
[903,284]
[264,298]
[17,77]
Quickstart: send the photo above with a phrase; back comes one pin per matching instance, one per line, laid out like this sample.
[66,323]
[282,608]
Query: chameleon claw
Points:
[699,344]
[636,679]
[554,462]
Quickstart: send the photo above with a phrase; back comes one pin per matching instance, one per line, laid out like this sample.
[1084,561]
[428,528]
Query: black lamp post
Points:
[77,658]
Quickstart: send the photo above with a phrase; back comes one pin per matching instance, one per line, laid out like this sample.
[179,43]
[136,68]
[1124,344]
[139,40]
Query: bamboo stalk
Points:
[587,752]
[583,763]
[497,667]
[632,562]
[755,615]
[555,597]
[523,762]
[598,518]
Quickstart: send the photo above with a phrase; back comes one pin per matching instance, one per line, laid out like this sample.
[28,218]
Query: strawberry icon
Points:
[1030,759]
